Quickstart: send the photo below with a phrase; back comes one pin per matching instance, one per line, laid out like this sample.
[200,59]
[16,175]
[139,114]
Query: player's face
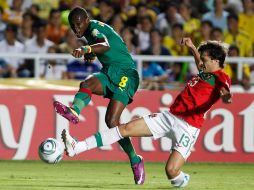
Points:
[79,26]
[209,64]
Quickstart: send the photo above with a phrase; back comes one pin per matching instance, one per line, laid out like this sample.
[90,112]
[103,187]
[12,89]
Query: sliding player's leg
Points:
[136,127]
[173,170]
[183,138]
[91,85]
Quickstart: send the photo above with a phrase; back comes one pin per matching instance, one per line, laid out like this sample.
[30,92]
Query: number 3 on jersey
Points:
[185,140]
[123,83]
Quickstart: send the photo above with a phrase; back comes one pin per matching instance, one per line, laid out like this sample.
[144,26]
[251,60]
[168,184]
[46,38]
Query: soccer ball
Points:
[51,151]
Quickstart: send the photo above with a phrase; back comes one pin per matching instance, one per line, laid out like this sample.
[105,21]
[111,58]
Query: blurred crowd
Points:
[148,27]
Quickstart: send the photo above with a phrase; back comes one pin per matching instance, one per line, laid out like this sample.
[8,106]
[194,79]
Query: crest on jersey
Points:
[152,115]
[193,81]
[95,32]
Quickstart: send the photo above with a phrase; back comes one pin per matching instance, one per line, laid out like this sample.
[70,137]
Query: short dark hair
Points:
[12,28]
[36,6]
[107,2]
[40,23]
[146,18]
[217,29]
[215,50]
[233,16]
[140,5]
[234,47]
[77,11]
[207,22]
[177,25]
[156,30]
[53,11]
[171,4]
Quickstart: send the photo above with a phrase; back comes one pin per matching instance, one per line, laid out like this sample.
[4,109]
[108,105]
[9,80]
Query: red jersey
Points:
[201,92]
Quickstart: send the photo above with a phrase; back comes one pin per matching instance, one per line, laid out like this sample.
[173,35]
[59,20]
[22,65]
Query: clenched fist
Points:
[77,53]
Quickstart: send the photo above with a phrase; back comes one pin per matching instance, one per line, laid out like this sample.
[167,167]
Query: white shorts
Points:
[182,134]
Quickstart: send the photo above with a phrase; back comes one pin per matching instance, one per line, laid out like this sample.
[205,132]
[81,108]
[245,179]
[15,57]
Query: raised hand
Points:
[77,53]
[187,41]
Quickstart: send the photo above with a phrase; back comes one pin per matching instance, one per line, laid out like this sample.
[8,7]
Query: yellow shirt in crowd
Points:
[46,6]
[191,26]
[229,71]
[174,47]
[4,4]
[246,23]
[242,40]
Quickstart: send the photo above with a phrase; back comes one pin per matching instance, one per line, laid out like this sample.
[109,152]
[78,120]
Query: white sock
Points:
[85,145]
[99,139]
[178,180]
[110,136]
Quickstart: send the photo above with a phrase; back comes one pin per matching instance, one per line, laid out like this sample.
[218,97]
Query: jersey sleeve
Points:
[98,32]
[223,80]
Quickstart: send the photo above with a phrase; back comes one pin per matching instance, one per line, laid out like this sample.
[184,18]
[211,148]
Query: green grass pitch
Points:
[69,175]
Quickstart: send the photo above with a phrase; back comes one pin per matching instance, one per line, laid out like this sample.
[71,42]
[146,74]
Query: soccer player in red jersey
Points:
[182,122]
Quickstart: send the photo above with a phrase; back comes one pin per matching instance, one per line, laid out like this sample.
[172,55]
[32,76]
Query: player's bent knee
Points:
[125,129]
[89,82]
[84,84]
[111,122]
[171,171]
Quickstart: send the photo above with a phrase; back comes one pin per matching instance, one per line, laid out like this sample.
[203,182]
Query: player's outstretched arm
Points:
[189,44]
[226,96]
[98,48]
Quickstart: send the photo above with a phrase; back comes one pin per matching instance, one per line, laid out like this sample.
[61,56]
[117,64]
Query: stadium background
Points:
[228,129]
[148,27]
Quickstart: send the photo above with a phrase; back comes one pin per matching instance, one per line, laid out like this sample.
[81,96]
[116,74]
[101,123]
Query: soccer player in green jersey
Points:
[118,79]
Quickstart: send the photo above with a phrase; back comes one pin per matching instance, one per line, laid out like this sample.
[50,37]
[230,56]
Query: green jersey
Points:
[118,55]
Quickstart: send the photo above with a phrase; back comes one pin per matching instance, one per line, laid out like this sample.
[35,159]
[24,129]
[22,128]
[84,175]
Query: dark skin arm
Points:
[98,48]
